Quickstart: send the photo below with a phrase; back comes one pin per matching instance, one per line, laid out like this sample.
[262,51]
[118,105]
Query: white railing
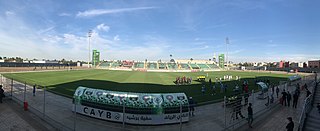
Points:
[307,105]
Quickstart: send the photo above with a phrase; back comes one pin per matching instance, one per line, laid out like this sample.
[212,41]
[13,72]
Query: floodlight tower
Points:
[227,43]
[89,36]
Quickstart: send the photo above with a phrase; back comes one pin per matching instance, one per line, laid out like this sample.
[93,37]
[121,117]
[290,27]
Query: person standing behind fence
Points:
[295,100]
[191,106]
[305,86]
[250,115]
[284,98]
[290,125]
[238,107]
[277,91]
[288,98]
[34,90]
[1,93]
[308,93]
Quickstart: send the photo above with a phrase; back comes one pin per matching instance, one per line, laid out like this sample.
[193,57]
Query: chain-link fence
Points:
[262,101]
[36,100]
[307,103]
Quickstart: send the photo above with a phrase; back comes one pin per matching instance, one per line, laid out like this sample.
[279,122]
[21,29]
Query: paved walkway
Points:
[11,121]
[57,111]
[13,118]
[276,118]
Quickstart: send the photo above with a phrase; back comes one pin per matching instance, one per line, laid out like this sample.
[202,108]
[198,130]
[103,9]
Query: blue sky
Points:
[258,30]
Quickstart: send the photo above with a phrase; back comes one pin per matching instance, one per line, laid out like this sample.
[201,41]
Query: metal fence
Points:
[33,101]
[260,106]
[307,104]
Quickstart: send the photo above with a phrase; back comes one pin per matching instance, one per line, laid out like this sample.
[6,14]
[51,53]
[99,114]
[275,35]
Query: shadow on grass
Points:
[193,90]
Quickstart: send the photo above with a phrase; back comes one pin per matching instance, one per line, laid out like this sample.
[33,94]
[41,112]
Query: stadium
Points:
[151,77]
[159,65]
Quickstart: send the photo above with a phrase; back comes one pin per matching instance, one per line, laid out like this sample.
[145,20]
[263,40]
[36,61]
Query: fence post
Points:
[44,101]
[252,93]
[11,87]
[225,112]
[180,116]
[75,114]
[25,91]
[123,114]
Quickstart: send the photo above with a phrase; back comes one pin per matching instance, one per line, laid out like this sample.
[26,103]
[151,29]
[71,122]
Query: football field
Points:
[66,82]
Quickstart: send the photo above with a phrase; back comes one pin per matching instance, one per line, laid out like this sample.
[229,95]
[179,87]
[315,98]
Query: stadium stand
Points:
[184,66]
[172,66]
[152,66]
[105,64]
[194,66]
[127,64]
[213,66]
[116,64]
[138,65]
[203,66]
[162,66]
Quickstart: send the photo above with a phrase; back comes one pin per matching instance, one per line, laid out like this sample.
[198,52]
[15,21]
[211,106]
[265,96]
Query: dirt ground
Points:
[20,69]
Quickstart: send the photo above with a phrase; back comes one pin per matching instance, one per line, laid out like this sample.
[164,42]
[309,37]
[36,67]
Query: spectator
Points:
[308,93]
[297,91]
[203,89]
[225,88]
[213,90]
[271,97]
[277,91]
[305,86]
[295,100]
[284,98]
[290,125]
[288,98]
[268,100]
[246,98]
[238,107]
[1,93]
[250,115]
[191,106]
[298,86]
[34,90]
[221,87]
[272,88]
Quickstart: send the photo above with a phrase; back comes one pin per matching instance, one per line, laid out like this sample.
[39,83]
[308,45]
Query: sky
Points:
[258,30]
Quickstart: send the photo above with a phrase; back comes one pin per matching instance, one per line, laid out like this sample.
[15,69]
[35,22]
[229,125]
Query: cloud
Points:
[116,38]
[64,14]
[52,39]
[96,12]
[9,13]
[103,27]
[45,30]
[216,26]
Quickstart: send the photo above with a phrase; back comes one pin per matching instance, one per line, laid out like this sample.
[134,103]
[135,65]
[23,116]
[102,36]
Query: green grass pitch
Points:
[65,82]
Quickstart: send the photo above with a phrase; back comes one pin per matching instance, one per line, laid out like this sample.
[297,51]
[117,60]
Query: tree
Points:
[19,60]
[191,59]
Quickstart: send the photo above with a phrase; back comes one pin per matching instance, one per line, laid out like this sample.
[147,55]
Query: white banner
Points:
[143,119]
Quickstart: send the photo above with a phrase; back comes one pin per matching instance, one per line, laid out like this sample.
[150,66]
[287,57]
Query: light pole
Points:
[227,43]
[89,36]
